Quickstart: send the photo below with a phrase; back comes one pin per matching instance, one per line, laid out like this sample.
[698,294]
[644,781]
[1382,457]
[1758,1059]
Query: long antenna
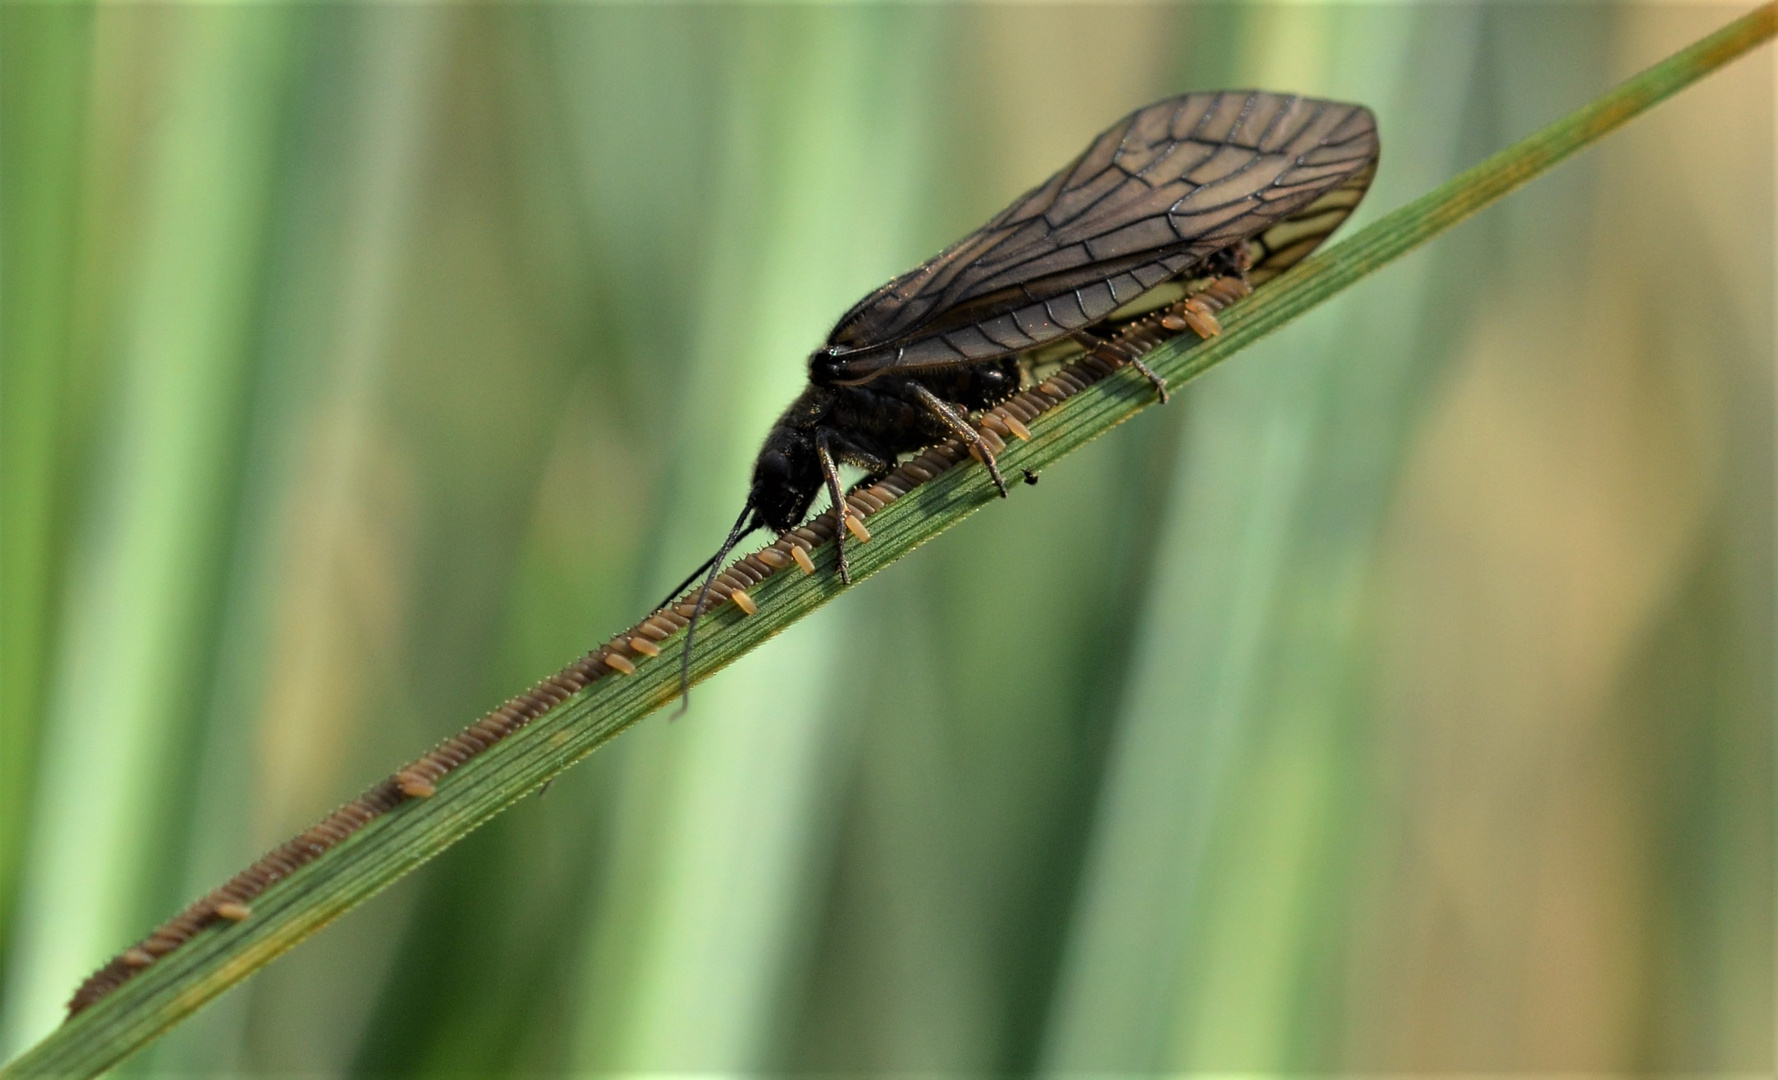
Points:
[689,578]
[741,528]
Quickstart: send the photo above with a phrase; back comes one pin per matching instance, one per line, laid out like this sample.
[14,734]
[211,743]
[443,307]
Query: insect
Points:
[1172,212]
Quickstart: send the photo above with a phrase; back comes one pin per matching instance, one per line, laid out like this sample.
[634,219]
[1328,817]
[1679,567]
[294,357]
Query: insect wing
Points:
[1279,247]
[1163,189]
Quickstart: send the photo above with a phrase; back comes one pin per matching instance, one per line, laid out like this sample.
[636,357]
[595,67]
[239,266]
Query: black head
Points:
[786,477]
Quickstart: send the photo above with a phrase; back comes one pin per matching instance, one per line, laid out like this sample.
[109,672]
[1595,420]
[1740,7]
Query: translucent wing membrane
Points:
[1287,243]
[1161,191]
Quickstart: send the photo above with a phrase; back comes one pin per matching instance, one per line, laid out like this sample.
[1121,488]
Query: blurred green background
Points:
[1399,698]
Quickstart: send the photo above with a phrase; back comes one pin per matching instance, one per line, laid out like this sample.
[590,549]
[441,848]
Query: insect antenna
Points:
[741,528]
[689,578]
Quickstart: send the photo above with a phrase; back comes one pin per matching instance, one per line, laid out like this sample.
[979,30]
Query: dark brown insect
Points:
[1177,209]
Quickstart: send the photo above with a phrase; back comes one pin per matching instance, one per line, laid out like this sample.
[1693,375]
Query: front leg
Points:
[843,512]
[958,421]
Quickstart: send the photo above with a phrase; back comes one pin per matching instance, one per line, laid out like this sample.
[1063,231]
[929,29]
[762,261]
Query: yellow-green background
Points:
[1400,697]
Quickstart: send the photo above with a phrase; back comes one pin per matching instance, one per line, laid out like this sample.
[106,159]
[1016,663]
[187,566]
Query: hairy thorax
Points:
[884,417]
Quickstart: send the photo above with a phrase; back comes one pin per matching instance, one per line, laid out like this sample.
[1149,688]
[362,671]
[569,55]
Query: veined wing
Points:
[1279,247]
[1163,189]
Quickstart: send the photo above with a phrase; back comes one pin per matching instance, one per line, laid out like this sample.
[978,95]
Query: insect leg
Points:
[1107,350]
[1160,384]
[841,508]
[846,451]
[959,423]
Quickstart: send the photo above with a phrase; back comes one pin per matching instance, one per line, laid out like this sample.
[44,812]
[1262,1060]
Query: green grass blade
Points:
[45,50]
[184,980]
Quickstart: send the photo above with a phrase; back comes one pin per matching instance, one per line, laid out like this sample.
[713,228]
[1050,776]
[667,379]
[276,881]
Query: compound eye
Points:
[775,491]
[771,466]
